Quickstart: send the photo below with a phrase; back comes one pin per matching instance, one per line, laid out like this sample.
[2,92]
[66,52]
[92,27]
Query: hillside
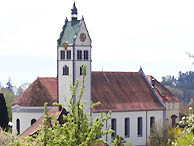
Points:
[182,86]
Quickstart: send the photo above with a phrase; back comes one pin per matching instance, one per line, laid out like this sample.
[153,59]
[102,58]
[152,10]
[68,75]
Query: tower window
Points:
[114,127]
[33,121]
[139,126]
[81,70]
[85,54]
[127,127]
[65,70]
[68,54]
[18,126]
[152,121]
[62,54]
[79,54]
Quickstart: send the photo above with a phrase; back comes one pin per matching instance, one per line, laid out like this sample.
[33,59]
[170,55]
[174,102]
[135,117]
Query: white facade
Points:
[25,115]
[133,126]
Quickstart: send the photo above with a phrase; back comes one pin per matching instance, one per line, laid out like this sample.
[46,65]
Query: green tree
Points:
[3,112]
[160,136]
[9,98]
[186,138]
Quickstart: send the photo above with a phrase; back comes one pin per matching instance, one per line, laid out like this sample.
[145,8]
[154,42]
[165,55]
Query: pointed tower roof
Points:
[74,9]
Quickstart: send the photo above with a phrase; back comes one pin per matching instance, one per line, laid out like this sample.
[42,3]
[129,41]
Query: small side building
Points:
[171,101]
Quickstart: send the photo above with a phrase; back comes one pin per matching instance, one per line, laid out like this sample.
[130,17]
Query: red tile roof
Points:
[40,91]
[162,91]
[117,91]
[122,91]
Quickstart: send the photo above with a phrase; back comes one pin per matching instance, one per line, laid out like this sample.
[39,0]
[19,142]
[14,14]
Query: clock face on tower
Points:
[82,37]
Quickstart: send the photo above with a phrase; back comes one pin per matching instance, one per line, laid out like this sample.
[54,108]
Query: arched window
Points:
[152,121]
[33,121]
[65,70]
[81,70]
[18,126]
[173,118]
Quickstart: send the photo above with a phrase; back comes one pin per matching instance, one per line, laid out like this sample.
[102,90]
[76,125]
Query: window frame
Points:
[127,127]
[33,121]
[86,56]
[140,126]
[62,55]
[152,121]
[79,54]
[68,54]
[114,127]
[65,70]
[81,70]
[18,126]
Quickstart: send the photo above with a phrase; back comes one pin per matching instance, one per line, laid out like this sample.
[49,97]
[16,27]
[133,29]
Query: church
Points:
[130,96]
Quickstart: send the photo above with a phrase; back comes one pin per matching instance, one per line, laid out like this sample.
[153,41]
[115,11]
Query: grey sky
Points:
[125,34]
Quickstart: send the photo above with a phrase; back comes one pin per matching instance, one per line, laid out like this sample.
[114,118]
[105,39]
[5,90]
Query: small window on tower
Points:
[79,55]
[65,70]
[85,54]
[68,54]
[82,71]
[62,54]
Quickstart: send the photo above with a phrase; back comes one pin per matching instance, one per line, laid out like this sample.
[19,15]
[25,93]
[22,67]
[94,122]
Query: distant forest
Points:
[182,86]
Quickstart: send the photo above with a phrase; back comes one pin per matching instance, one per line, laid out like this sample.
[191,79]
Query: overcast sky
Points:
[126,34]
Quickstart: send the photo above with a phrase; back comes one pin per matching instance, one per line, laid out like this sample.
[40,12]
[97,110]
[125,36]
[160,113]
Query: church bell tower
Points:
[74,52]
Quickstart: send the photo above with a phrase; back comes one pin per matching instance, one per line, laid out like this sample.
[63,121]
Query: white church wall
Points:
[133,116]
[64,81]
[25,115]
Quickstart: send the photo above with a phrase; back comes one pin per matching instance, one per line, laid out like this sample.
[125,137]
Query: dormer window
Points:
[68,54]
[79,55]
[62,54]
[85,54]
[65,70]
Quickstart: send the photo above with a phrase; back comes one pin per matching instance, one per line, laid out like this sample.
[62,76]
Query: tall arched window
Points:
[81,70]
[65,70]
[173,118]
[33,121]
[18,126]
[152,121]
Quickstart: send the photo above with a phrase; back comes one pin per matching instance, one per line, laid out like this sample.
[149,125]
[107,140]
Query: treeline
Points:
[182,86]
[10,93]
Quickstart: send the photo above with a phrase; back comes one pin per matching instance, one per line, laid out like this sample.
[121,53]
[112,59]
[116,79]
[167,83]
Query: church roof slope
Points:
[40,91]
[122,91]
[162,91]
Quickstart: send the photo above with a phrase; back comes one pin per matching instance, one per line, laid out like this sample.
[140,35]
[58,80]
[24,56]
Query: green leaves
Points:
[187,137]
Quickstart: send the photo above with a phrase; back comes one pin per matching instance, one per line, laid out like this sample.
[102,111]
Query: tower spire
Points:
[73,14]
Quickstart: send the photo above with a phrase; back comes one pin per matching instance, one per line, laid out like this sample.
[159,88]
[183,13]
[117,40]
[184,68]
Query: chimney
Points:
[153,82]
